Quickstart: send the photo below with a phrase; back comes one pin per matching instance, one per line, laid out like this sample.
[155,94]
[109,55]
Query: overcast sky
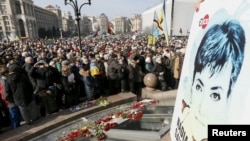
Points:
[112,8]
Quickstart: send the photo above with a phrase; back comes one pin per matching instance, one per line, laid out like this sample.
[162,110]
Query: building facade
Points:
[56,9]
[120,25]
[17,19]
[136,21]
[68,23]
[103,23]
[86,26]
[47,25]
[23,19]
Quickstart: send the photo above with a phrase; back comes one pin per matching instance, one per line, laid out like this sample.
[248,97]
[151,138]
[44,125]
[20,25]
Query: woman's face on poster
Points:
[209,100]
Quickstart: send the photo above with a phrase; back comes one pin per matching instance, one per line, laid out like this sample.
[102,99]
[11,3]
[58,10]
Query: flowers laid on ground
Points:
[102,101]
[97,129]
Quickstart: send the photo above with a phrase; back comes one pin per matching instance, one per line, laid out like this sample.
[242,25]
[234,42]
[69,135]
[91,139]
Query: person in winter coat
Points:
[113,76]
[135,77]
[89,83]
[95,73]
[19,92]
[159,70]
[69,87]
[4,111]
[148,64]
[45,76]
[79,91]
[27,69]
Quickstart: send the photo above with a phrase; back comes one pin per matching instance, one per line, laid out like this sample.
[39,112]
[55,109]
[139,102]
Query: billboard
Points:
[214,86]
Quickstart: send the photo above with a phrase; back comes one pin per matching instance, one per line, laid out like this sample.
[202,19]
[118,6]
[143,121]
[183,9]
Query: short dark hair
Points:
[222,43]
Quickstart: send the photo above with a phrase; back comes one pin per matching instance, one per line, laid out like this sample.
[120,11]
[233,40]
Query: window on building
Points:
[7,28]
[3,9]
[18,8]
[5,17]
[1,28]
[6,22]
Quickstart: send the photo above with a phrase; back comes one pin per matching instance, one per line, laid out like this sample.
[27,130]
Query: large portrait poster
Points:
[214,86]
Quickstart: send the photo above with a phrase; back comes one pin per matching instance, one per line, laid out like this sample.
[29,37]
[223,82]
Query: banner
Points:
[151,39]
[213,87]
[49,42]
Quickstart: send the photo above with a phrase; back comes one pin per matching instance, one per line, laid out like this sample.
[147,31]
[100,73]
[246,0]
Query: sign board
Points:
[49,42]
[156,33]
[214,86]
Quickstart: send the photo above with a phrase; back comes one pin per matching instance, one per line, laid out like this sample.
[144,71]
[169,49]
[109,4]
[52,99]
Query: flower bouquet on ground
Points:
[102,101]
[95,129]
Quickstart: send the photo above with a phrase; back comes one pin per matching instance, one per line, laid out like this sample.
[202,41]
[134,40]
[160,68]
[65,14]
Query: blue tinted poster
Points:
[214,86]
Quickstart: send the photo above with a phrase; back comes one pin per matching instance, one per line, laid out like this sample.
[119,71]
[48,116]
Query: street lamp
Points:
[77,10]
[30,28]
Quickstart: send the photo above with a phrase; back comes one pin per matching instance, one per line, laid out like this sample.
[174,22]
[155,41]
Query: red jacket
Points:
[2,94]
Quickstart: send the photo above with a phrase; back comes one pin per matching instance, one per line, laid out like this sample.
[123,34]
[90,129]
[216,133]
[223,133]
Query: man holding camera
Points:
[47,79]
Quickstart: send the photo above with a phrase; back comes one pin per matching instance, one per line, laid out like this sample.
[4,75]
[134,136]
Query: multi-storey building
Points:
[120,24]
[58,13]
[17,19]
[94,23]
[103,23]
[46,22]
[21,18]
[68,23]
[86,26]
[136,21]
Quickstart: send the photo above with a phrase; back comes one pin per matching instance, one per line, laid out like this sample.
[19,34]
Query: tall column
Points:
[22,7]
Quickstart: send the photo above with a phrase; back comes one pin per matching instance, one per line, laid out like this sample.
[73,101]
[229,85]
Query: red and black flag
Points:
[97,31]
[110,30]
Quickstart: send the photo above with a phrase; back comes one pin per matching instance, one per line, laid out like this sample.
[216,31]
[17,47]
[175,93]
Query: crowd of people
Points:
[38,79]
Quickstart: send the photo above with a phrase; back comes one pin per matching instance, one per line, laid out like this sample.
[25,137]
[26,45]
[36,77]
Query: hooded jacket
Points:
[18,88]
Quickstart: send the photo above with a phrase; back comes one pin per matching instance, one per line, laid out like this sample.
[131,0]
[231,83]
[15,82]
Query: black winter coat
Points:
[18,89]
[45,77]
[159,68]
